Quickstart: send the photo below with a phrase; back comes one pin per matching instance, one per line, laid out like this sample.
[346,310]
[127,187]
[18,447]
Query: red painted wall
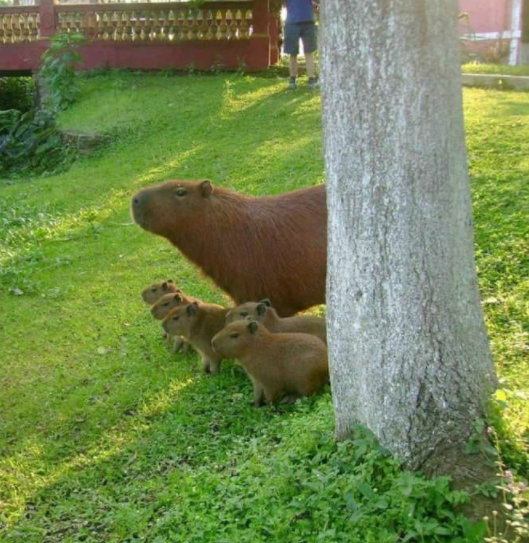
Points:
[486,15]
[252,53]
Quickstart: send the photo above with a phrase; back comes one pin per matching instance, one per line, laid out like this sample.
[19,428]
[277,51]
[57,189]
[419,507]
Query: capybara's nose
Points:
[139,198]
[137,208]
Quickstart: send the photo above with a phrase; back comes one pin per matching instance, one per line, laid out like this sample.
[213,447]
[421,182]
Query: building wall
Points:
[487,15]
[488,30]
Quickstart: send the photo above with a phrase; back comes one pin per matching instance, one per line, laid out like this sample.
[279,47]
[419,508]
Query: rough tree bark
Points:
[408,347]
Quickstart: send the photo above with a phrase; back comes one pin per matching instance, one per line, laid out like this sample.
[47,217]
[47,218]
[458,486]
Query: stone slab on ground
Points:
[84,142]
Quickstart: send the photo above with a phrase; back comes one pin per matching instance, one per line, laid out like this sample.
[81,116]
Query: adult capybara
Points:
[264,313]
[197,324]
[279,365]
[154,292]
[268,247]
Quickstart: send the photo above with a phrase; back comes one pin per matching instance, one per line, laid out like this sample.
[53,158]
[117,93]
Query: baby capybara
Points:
[168,302]
[264,313]
[158,289]
[197,324]
[279,365]
[268,247]
[170,293]
[164,306]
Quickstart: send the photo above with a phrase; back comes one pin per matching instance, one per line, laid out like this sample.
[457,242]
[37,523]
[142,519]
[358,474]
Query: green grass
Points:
[105,435]
[501,69]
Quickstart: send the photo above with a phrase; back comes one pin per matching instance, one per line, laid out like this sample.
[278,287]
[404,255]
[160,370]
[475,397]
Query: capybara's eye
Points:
[234,335]
[244,313]
[176,318]
[180,192]
[153,290]
[165,305]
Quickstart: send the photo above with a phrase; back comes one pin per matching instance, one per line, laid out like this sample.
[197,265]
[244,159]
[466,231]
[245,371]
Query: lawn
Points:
[500,69]
[105,435]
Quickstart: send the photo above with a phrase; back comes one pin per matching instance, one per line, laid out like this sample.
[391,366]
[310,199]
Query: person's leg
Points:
[291,48]
[293,70]
[293,65]
[309,62]
[310,44]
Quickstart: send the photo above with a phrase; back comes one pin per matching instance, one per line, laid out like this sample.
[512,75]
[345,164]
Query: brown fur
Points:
[198,324]
[162,303]
[167,303]
[158,289]
[277,364]
[268,247]
[264,313]
[164,306]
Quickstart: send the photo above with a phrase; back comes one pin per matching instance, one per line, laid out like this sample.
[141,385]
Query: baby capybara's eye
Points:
[165,305]
[154,290]
[244,313]
[176,318]
[180,192]
[234,335]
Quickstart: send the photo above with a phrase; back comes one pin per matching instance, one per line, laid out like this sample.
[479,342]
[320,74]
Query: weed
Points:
[513,526]
[216,66]
[57,73]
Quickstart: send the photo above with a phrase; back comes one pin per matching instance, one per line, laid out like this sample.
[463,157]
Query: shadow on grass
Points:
[192,428]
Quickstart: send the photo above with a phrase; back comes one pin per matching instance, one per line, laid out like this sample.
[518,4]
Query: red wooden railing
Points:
[230,34]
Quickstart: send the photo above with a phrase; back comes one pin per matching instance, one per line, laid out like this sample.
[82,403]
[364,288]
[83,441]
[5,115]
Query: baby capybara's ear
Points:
[267,302]
[206,188]
[165,285]
[252,326]
[192,309]
[261,308]
[178,298]
[170,281]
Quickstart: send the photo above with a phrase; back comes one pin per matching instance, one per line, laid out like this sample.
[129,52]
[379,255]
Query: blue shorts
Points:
[296,31]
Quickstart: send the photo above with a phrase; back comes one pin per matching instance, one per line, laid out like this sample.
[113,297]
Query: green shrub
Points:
[29,139]
[58,70]
[17,93]
[29,142]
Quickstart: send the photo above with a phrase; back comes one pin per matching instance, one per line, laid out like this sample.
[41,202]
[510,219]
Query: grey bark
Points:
[408,347]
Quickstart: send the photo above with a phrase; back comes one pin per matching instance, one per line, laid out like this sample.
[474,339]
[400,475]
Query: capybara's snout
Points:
[137,207]
[138,199]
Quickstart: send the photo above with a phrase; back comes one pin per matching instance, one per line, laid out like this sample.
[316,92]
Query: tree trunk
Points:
[409,352]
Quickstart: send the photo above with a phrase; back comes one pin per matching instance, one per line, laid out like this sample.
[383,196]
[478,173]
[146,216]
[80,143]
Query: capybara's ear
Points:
[206,188]
[261,308]
[165,286]
[252,326]
[267,302]
[170,281]
[178,298]
[192,309]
